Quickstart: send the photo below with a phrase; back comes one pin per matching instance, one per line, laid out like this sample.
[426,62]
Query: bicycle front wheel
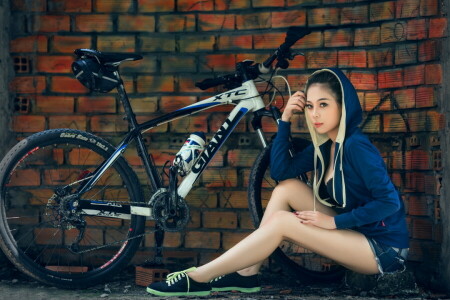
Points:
[295,260]
[41,230]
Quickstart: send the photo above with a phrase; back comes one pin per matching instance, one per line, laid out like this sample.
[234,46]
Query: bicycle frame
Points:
[246,98]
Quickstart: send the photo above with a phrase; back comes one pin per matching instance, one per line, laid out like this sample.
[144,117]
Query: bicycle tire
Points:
[32,234]
[295,260]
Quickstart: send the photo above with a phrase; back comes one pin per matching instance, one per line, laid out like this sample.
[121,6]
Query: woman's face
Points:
[323,110]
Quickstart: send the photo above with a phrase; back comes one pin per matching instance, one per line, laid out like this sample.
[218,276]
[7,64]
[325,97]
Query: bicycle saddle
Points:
[108,58]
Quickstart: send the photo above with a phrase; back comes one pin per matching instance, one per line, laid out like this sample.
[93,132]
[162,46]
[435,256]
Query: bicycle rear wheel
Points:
[295,260]
[39,225]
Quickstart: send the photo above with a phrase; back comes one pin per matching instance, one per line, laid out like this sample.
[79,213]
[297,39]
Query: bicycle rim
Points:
[36,228]
[297,261]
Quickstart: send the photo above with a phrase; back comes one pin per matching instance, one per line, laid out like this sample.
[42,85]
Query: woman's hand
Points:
[294,105]
[316,218]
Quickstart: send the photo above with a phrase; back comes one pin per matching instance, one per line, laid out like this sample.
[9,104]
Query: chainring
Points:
[169,221]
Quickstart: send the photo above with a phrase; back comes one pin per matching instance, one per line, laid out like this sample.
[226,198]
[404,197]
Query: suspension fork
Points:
[274,113]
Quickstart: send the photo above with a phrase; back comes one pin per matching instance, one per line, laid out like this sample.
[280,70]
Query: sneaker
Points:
[179,284]
[236,282]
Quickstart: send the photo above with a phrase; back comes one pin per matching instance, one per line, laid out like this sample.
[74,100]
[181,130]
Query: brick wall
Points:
[389,49]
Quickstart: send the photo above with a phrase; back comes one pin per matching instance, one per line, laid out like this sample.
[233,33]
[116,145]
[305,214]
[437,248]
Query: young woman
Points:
[352,214]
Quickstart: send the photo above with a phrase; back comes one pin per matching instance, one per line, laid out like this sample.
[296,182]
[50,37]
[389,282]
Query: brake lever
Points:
[294,54]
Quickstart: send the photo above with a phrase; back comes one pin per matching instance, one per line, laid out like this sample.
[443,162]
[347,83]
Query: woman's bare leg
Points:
[291,194]
[346,247]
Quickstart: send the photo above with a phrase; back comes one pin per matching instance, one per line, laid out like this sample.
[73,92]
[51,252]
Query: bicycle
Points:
[85,211]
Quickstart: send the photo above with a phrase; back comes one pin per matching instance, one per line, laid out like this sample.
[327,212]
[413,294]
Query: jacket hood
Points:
[351,117]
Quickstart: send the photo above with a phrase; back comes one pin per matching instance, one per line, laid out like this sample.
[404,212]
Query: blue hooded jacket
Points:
[368,201]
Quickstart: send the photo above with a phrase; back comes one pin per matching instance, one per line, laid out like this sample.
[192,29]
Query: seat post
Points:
[131,117]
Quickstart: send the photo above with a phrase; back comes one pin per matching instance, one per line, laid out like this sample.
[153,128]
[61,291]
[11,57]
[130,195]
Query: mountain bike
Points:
[72,210]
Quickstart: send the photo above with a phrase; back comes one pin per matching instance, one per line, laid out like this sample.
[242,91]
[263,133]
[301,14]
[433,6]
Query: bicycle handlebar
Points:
[282,54]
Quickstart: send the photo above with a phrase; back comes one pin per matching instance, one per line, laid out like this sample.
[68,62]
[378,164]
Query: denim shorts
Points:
[389,259]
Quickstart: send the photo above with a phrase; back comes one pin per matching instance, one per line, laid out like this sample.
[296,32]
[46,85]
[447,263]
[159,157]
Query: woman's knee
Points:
[288,186]
[280,220]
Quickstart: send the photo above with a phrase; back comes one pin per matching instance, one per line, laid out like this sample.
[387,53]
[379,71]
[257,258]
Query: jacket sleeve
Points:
[384,201]
[282,165]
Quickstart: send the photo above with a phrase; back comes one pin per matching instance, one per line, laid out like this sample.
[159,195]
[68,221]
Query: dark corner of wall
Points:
[6,74]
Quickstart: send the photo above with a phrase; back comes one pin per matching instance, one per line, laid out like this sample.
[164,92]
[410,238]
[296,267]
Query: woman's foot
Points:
[236,282]
[179,284]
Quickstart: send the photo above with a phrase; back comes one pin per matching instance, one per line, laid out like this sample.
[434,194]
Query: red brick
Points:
[429,50]
[288,18]
[321,59]
[422,229]
[405,98]
[339,38]
[268,40]
[178,64]
[418,205]
[54,64]
[242,157]
[28,84]
[382,57]
[197,43]
[64,84]
[425,97]
[172,103]
[260,20]
[143,104]
[219,219]
[157,43]
[171,240]
[367,36]
[268,3]
[51,23]
[373,99]
[67,44]
[235,42]
[218,62]
[416,29]
[393,32]
[191,124]
[70,121]
[231,4]
[352,59]
[93,23]
[34,43]
[96,105]
[232,238]
[113,6]
[216,120]
[233,199]
[147,84]
[223,177]
[176,23]
[70,6]
[54,104]
[28,123]
[108,123]
[393,123]
[433,74]
[136,23]
[116,43]
[312,40]
[186,83]
[405,54]
[194,5]
[390,78]
[429,8]
[438,28]
[363,80]
[407,8]
[355,15]
[382,11]
[414,75]
[156,5]
[27,6]
[220,22]
[202,197]
[245,222]
[323,16]
[202,239]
